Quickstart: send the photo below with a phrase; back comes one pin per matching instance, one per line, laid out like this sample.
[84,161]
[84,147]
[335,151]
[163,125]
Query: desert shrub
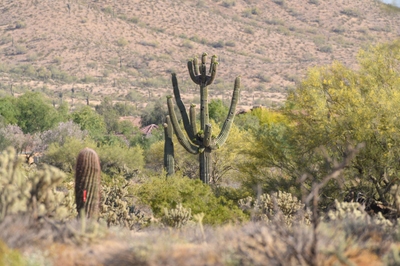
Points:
[116,158]
[325,48]
[228,3]
[12,135]
[279,2]
[350,12]
[161,192]
[64,155]
[218,44]
[60,135]
[122,42]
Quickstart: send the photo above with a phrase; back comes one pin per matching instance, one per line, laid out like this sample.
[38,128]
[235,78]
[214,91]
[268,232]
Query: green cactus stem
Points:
[169,161]
[87,183]
[201,141]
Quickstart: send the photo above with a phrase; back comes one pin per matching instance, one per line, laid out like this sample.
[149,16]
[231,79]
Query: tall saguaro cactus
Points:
[201,142]
[87,183]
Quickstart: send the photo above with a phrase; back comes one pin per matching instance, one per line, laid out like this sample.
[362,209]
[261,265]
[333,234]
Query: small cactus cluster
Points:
[176,218]
[30,189]
[355,211]
[268,207]
[87,183]
[118,209]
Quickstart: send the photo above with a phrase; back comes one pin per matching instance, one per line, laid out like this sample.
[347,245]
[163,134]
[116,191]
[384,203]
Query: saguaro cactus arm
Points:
[182,109]
[195,77]
[223,135]
[190,147]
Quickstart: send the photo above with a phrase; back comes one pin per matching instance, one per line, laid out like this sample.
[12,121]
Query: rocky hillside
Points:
[128,48]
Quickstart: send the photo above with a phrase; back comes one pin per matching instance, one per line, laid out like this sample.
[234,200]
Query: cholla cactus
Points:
[278,203]
[343,210]
[87,183]
[29,189]
[177,217]
[355,211]
[118,209]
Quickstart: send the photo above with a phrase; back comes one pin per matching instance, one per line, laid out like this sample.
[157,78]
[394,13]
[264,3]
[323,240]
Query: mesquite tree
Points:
[201,142]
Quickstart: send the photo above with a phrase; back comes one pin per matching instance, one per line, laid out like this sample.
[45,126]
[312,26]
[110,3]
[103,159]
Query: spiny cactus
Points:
[87,183]
[278,203]
[118,208]
[169,161]
[201,141]
[29,189]
[177,217]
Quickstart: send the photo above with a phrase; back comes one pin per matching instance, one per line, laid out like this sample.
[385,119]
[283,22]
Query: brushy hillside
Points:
[116,47]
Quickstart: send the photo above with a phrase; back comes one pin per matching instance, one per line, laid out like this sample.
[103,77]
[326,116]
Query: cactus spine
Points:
[87,183]
[201,142]
[169,161]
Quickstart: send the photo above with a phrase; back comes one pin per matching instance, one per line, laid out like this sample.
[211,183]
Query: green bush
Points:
[161,193]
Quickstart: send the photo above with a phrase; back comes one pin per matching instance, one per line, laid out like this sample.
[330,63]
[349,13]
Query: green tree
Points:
[35,113]
[8,110]
[89,120]
[109,113]
[334,108]
[154,113]
[217,110]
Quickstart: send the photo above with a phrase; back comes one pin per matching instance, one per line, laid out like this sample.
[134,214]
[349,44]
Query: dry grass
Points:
[250,244]
[103,44]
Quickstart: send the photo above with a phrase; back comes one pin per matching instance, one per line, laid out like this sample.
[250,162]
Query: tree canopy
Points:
[335,108]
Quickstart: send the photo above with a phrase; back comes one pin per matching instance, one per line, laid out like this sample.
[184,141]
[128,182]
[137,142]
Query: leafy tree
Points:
[109,113]
[35,114]
[218,110]
[332,109]
[124,109]
[154,113]
[89,120]
[8,110]
[114,159]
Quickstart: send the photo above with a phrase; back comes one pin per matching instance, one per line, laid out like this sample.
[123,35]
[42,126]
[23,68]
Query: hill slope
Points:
[130,46]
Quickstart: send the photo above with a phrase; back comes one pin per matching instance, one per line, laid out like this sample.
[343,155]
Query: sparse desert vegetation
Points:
[103,162]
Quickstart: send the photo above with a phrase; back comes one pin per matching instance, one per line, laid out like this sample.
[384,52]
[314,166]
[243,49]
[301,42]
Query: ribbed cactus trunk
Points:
[201,142]
[169,160]
[87,183]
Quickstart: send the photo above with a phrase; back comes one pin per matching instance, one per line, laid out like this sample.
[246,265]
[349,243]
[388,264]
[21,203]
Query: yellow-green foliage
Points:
[113,158]
[176,217]
[161,192]
[9,257]
[333,108]
[29,189]
[279,204]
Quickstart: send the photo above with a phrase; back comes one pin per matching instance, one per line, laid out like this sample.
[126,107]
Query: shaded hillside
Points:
[131,46]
